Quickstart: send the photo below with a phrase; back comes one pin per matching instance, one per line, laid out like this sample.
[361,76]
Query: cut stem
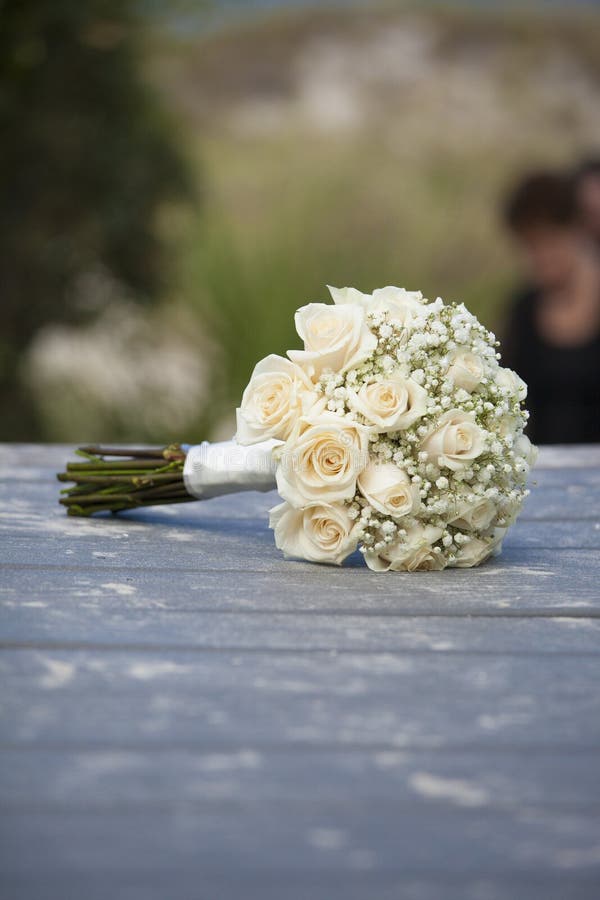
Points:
[118,465]
[138,477]
[136,480]
[171,452]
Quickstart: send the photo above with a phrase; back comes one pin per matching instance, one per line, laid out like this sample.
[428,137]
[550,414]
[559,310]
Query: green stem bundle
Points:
[114,479]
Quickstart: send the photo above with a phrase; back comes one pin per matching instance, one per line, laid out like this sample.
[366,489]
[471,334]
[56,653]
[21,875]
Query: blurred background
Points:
[177,178]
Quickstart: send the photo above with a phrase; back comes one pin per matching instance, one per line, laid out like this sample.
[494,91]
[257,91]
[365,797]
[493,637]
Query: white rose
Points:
[455,441]
[475,516]
[349,295]
[523,447]
[321,532]
[505,426]
[321,460]
[278,393]
[412,553]
[335,337]
[388,489]
[497,538]
[510,509]
[401,305]
[392,404]
[510,382]
[466,370]
[472,553]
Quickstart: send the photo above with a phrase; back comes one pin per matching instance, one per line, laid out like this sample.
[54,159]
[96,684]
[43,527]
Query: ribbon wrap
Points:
[225,467]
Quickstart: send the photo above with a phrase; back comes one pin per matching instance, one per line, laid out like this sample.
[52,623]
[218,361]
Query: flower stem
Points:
[136,478]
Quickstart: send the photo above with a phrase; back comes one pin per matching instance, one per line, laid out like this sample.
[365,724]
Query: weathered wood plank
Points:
[111,617]
[520,582]
[152,535]
[340,835]
[28,512]
[222,544]
[568,455]
[104,780]
[329,882]
[553,535]
[40,455]
[238,699]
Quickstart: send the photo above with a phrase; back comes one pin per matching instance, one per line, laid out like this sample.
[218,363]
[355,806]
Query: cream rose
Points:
[472,553]
[321,460]
[473,516]
[278,393]
[349,295]
[392,404]
[510,382]
[321,532]
[456,441]
[523,447]
[335,338]
[498,536]
[506,426]
[402,306]
[412,553]
[389,489]
[466,370]
[510,509]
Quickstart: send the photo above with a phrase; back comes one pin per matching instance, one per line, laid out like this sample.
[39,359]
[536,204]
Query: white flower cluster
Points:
[401,433]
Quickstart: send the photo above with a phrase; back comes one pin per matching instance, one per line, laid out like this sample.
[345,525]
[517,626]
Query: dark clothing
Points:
[563,382]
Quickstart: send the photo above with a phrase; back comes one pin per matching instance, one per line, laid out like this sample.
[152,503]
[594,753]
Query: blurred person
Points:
[587,192]
[552,337]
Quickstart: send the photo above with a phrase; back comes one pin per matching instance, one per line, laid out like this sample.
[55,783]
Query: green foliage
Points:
[87,159]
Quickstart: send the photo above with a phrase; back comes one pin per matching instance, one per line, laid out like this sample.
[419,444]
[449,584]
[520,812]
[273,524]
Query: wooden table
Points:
[186,715]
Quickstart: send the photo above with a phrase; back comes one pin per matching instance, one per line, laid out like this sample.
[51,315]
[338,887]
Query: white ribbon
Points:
[226,468]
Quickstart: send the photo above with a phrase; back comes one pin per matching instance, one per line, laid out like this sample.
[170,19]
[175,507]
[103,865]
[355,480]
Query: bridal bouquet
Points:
[394,430]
